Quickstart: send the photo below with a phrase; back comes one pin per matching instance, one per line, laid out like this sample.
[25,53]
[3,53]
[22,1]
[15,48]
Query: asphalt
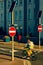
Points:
[6,59]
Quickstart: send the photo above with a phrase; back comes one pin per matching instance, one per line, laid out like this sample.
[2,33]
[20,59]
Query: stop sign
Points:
[39,28]
[12,31]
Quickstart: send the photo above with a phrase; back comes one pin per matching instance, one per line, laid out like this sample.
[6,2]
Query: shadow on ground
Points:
[39,60]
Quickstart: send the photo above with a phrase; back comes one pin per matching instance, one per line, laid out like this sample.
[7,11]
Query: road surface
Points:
[5,53]
[6,60]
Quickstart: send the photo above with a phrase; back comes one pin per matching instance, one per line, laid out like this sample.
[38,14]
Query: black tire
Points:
[33,57]
[24,53]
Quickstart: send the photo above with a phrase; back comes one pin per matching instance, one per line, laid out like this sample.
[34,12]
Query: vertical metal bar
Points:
[39,39]
[40,20]
[12,48]
[12,36]
[39,32]
[13,17]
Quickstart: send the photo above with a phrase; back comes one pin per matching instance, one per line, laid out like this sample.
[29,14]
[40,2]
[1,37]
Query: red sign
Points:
[39,28]
[12,31]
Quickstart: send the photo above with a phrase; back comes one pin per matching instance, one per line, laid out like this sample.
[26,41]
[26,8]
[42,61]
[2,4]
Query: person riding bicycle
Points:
[29,47]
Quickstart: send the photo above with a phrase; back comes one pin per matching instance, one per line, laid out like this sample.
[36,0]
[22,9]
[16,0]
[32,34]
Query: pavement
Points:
[6,60]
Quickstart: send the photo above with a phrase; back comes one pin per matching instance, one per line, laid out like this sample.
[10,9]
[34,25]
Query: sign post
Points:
[39,27]
[13,32]
[39,30]
[12,48]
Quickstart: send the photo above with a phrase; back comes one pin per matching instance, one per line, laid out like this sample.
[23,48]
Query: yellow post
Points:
[12,36]
[13,17]
[39,33]
[12,48]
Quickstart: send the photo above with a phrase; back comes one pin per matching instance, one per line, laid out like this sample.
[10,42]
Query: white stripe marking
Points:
[39,28]
[12,31]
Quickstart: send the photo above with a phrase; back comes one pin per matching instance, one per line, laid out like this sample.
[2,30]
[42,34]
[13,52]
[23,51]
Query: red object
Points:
[39,28]
[12,31]
[19,37]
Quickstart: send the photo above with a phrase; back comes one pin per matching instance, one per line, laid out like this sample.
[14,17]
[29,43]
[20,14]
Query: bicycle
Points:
[29,54]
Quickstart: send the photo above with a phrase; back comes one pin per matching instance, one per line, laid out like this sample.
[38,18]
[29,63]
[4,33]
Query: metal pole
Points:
[12,36]
[39,32]
[13,17]
[39,39]
[12,48]
[40,20]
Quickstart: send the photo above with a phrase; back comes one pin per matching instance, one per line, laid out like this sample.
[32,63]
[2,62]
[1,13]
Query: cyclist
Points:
[29,47]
